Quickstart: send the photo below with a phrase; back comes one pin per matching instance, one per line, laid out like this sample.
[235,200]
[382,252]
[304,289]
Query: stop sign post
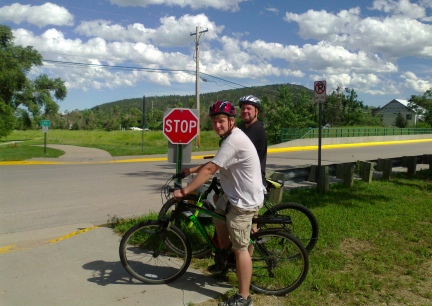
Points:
[180,127]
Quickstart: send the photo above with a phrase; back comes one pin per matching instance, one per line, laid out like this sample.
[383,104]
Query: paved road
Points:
[52,253]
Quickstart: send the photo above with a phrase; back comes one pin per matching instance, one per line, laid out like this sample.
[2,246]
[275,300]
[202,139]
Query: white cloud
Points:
[171,33]
[415,83]
[54,46]
[224,5]
[41,16]
[393,37]
[402,7]
[273,10]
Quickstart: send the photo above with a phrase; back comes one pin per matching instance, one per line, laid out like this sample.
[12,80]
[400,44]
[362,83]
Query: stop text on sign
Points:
[182,126]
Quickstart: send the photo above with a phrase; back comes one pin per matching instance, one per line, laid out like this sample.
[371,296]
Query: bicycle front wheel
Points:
[280,262]
[303,226]
[200,246]
[145,255]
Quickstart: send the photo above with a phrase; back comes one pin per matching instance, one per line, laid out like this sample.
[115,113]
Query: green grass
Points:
[117,143]
[375,245]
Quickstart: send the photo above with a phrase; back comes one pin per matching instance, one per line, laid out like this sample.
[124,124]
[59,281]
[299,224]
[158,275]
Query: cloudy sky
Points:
[108,50]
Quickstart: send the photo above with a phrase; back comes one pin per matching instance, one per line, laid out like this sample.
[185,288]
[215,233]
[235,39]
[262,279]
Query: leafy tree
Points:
[422,105]
[155,119]
[23,120]
[7,119]
[36,96]
[283,112]
[400,121]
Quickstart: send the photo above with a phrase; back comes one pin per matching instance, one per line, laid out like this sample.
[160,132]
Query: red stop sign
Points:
[180,126]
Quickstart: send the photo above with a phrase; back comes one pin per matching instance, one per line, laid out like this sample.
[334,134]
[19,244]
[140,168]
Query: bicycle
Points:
[158,252]
[303,224]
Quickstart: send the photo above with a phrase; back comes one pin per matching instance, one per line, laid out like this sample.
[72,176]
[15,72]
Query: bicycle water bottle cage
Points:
[274,184]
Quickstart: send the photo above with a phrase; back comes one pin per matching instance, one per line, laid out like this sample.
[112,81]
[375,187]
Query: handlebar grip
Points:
[180,175]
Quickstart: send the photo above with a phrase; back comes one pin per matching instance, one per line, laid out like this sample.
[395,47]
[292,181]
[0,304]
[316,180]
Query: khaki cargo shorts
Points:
[239,222]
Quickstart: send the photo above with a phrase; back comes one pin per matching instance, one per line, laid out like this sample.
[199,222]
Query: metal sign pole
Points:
[179,159]
[143,123]
[320,98]
[319,145]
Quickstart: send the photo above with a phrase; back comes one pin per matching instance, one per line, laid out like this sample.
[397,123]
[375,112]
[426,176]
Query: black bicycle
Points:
[303,224]
[158,252]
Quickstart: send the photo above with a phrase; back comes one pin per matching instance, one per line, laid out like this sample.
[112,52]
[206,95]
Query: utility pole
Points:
[197,83]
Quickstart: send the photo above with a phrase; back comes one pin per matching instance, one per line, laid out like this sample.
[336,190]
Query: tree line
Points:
[25,102]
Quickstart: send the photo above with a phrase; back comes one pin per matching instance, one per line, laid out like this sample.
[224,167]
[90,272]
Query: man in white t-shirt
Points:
[240,176]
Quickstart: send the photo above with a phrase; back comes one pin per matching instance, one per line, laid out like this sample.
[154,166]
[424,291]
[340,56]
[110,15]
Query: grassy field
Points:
[20,145]
[375,245]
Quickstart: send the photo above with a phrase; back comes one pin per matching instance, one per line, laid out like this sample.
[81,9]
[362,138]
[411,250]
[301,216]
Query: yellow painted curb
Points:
[27,246]
[7,248]
[73,234]
[344,145]
[269,151]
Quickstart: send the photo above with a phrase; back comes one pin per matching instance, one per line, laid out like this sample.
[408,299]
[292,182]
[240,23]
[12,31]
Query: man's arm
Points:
[205,172]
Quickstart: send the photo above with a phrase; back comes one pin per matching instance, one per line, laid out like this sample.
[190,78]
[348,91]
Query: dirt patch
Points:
[350,247]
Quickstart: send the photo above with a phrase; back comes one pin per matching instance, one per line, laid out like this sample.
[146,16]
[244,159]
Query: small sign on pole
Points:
[45,124]
[320,91]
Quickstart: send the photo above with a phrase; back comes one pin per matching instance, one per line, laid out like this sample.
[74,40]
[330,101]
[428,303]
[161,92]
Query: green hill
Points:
[206,99]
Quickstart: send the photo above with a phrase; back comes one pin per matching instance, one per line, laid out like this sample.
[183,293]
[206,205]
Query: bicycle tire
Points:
[200,246]
[147,258]
[284,266]
[304,223]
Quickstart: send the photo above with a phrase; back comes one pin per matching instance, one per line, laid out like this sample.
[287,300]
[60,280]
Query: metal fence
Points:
[288,134]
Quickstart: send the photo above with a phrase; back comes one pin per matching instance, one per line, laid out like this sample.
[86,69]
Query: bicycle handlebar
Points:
[212,187]
[180,175]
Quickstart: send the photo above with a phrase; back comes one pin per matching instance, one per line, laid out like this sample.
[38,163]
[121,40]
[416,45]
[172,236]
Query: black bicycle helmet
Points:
[252,100]
[222,107]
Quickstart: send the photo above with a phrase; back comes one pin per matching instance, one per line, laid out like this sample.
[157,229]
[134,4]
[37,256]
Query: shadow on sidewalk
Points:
[109,273]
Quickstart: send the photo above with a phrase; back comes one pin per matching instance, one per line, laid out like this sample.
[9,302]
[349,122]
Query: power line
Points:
[154,70]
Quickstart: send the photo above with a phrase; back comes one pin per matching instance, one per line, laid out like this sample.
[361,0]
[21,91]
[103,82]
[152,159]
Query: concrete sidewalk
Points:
[77,154]
[86,270]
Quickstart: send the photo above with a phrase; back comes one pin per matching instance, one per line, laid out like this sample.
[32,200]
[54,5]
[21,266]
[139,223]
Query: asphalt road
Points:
[46,196]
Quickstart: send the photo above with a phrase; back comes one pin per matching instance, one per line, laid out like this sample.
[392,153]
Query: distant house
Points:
[390,111]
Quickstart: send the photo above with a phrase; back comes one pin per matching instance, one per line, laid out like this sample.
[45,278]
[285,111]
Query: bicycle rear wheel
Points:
[280,262]
[145,255]
[200,246]
[304,225]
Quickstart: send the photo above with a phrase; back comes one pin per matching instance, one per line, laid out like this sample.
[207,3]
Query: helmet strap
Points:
[223,137]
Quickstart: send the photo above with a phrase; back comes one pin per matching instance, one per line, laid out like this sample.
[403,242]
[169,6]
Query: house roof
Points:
[404,103]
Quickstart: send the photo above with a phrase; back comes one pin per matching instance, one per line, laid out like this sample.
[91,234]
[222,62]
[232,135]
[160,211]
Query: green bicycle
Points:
[303,224]
[158,252]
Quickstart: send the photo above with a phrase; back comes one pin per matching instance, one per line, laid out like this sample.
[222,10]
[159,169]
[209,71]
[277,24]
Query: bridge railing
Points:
[288,134]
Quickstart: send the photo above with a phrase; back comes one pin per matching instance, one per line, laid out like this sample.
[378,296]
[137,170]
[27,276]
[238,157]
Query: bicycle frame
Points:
[184,207]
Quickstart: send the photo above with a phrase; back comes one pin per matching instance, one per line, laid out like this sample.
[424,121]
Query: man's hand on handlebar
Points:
[178,194]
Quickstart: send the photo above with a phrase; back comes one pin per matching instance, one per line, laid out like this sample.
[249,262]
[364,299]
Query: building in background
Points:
[390,111]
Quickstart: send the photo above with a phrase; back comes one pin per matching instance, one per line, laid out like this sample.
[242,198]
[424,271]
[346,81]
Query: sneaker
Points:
[216,269]
[237,300]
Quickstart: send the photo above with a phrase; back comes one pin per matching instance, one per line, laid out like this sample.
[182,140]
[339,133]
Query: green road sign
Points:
[46,123]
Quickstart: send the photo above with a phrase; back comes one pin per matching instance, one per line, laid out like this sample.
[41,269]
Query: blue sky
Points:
[380,48]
